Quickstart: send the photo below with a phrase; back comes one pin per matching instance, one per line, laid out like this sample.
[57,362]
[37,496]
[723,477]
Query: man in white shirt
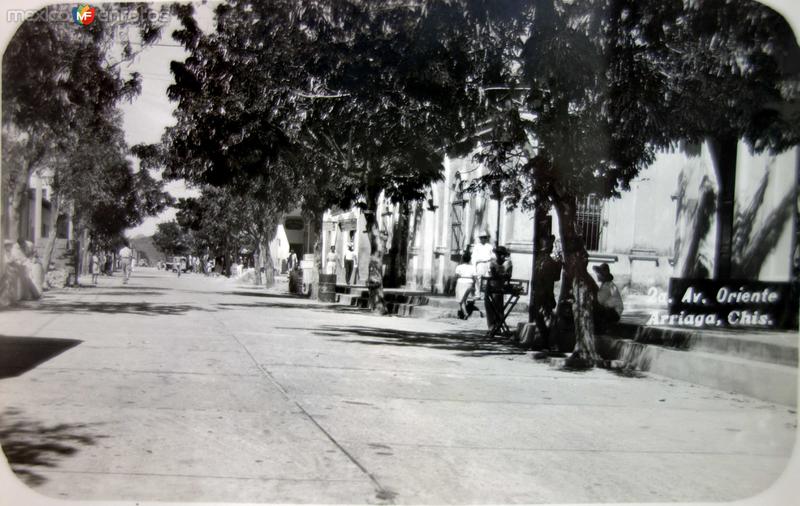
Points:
[349,261]
[125,257]
[481,256]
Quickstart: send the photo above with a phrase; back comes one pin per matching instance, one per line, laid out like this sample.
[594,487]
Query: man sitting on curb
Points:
[608,308]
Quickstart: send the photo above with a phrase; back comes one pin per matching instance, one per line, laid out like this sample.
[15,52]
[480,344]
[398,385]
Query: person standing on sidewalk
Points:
[349,261]
[465,287]
[125,256]
[95,267]
[500,269]
[481,257]
[331,261]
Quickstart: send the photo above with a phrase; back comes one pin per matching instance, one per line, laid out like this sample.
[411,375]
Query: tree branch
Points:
[307,95]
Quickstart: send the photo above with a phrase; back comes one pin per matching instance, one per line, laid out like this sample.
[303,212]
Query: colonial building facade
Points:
[35,217]
[663,227]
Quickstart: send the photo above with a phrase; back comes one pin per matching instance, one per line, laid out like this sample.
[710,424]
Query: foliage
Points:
[369,110]
[727,69]
[61,87]
[590,89]
[229,219]
[171,240]
[97,181]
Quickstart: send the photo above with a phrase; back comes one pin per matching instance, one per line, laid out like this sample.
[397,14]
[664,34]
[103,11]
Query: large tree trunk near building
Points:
[269,265]
[315,221]
[539,225]
[85,257]
[375,274]
[724,153]
[77,246]
[258,256]
[15,205]
[584,289]
[398,253]
[52,232]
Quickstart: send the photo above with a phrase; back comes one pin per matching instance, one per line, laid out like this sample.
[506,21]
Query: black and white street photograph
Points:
[399,252]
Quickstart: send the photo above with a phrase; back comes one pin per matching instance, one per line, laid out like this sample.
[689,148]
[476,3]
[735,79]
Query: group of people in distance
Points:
[608,304]
[493,264]
[347,262]
[102,262]
[483,261]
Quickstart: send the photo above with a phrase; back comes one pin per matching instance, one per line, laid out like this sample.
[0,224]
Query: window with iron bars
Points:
[590,221]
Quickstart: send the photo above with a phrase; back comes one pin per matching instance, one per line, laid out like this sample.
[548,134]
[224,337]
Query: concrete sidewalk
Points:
[195,389]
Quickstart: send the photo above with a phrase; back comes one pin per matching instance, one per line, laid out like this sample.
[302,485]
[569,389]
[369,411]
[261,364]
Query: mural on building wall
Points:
[755,239]
[694,217]
[760,221]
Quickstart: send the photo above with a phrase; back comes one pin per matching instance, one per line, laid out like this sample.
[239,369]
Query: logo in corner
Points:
[83,14]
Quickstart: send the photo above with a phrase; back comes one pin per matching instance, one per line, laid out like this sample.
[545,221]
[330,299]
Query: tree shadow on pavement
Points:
[469,343]
[267,295]
[131,288]
[322,308]
[129,293]
[21,354]
[132,308]
[30,445]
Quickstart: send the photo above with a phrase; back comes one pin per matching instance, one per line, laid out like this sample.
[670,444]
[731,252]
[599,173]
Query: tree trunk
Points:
[50,244]
[375,274]
[316,220]
[85,257]
[584,289]
[723,151]
[398,254]
[269,266]
[77,257]
[259,264]
[539,224]
[15,211]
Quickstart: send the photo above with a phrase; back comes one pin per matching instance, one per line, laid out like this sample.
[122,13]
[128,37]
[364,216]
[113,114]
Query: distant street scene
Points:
[400,252]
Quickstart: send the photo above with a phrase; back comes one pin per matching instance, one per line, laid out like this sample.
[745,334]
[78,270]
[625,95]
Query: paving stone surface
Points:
[199,389]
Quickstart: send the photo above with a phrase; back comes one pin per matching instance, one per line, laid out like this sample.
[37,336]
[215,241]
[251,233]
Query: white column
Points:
[412,266]
[69,226]
[444,224]
[325,246]
[428,246]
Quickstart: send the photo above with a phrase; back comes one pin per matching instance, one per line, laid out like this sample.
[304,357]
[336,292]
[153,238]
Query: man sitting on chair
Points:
[608,307]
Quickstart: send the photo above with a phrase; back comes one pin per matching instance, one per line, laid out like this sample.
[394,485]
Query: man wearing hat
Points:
[608,308]
[500,269]
[481,257]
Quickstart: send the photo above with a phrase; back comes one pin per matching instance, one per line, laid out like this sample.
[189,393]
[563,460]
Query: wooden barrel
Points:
[327,288]
[296,282]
